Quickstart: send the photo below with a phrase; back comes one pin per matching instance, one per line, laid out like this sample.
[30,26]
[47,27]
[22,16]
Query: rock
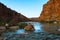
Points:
[2,28]
[34,19]
[5,38]
[14,27]
[51,11]
[10,16]
[22,35]
[29,27]
[1,38]
[58,29]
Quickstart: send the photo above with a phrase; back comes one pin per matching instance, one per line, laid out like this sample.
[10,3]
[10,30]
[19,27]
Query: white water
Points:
[37,27]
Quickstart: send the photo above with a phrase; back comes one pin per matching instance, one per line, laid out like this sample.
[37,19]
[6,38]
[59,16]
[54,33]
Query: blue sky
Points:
[29,8]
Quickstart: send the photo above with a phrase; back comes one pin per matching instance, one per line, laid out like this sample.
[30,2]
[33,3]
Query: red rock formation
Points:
[51,11]
[10,16]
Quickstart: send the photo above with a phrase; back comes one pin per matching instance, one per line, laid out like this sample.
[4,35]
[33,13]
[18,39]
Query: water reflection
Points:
[20,31]
[44,31]
[51,28]
[37,27]
[47,27]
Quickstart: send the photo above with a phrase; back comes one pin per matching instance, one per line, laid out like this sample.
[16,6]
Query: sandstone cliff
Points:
[51,11]
[10,16]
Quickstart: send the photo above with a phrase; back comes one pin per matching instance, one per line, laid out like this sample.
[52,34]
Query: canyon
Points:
[51,11]
[10,16]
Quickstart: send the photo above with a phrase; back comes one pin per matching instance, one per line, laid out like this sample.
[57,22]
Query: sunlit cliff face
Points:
[51,11]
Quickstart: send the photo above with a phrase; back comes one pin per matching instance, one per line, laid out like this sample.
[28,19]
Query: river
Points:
[44,31]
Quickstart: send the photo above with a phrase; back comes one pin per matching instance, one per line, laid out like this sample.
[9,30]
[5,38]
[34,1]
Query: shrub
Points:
[22,25]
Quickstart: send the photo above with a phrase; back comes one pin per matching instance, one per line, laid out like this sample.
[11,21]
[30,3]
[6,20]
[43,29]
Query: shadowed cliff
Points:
[10,16]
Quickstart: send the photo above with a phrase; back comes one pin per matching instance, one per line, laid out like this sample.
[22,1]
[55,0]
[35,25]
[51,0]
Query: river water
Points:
[44,31]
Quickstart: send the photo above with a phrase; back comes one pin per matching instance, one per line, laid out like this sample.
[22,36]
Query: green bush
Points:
[2,24]
[22,25]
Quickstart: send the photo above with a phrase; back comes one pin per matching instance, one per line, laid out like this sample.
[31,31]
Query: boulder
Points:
[29,27]
[2,28]
[13,28]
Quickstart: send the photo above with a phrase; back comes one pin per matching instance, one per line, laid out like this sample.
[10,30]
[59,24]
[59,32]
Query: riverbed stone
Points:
[29,27]
[14,27]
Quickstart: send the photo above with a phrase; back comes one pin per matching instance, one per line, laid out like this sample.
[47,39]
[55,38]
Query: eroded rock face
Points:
[51,11]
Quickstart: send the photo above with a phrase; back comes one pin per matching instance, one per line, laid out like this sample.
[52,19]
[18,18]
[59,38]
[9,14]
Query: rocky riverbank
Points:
[31,36]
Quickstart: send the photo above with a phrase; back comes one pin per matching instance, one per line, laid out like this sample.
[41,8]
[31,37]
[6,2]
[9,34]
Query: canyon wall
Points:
[8,15]
[51,11]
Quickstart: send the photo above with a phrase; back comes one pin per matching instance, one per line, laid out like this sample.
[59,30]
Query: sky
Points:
[29,8]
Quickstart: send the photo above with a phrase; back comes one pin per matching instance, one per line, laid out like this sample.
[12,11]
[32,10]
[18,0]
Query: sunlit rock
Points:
[51,11]
[29,27]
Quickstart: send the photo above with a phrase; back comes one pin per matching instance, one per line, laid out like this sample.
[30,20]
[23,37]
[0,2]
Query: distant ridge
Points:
[8,15]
